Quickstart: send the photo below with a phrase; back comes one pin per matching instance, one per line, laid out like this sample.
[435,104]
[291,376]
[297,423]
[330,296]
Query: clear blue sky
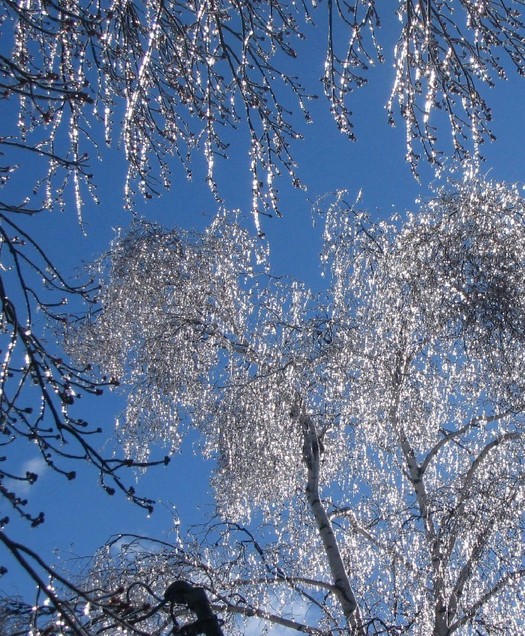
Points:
[79,516]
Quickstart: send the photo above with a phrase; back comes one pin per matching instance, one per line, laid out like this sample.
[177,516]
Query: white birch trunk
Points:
[337,568]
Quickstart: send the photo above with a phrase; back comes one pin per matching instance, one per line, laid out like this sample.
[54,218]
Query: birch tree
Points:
[369,445]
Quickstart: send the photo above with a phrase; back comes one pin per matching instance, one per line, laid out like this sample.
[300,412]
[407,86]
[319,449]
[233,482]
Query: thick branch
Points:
[475,607]
[448,436]
[469,477]
[348,514]
[326,532]
[267,616]
[416,476]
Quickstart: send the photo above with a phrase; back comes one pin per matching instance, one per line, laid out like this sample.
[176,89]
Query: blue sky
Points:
[79,516]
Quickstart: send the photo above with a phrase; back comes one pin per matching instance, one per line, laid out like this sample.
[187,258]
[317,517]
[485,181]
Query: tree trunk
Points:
[337,568]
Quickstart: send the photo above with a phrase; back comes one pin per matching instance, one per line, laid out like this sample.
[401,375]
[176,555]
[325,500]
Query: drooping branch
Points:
[195,72]
[20,552]
[38,385]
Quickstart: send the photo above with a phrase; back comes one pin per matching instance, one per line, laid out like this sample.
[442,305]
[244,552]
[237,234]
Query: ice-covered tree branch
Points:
[410,411]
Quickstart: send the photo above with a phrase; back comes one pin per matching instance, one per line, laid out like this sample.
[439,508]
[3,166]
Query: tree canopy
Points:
[388,415]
